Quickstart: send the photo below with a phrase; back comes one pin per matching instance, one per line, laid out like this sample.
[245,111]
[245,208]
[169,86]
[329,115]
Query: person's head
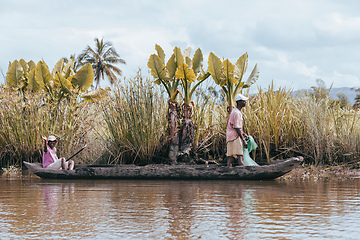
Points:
[240,100]
[51,141]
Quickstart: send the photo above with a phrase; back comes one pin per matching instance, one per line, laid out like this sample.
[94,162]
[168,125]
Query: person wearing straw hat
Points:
[50,159]
[235,136]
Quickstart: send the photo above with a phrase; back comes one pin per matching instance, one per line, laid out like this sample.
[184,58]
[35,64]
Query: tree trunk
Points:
[173,120]
[186,133]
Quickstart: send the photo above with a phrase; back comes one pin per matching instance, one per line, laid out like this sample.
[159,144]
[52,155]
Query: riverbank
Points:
[310,172]
[322,130]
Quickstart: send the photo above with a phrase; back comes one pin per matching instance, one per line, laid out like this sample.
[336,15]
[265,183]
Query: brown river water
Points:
[34,208]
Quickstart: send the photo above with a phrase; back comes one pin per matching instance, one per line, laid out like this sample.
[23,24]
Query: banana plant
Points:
[229,76]
[165,76]
[188,72]
[60,84]
[180,70]
[18,74]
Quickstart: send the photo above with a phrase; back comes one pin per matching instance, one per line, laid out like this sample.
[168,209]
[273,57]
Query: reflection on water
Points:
[33,208]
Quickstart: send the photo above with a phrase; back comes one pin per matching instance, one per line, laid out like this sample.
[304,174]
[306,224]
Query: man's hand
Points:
[245,144]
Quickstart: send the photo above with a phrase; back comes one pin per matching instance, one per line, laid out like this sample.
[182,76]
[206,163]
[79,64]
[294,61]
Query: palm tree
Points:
[103,60]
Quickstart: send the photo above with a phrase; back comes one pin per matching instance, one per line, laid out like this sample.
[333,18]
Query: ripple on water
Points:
[38,209]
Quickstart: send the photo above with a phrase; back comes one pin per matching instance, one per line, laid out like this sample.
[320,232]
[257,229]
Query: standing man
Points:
[235,137]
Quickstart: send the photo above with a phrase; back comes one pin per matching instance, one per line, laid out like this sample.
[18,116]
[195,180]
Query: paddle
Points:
[77,152]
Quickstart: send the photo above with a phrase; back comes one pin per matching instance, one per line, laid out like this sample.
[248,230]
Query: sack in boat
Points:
[251,146]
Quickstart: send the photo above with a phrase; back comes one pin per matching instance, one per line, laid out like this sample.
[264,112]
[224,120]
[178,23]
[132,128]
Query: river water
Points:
[34,208]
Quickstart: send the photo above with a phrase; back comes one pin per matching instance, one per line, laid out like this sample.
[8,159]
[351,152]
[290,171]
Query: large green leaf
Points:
[185,73]
[215,69]
[58,67]
[229,71]
[158,70]
[65,84]
[42,75]
[83,79]
[171,66]
[187,52]
[15,75]
[188,61]
[24,65]
[241,66]
[32,65]
[254,76]
[197,61]
[179,59]
[68,68]
[33,85]
[160,53]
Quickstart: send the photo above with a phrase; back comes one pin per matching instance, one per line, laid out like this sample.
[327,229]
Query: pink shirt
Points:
[235,121]
[49,157]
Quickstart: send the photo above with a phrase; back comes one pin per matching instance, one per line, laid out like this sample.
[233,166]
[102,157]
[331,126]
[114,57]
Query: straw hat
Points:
[51,138]
[240,97]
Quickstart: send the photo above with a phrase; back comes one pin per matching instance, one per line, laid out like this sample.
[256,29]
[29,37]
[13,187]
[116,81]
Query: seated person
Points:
[50,159]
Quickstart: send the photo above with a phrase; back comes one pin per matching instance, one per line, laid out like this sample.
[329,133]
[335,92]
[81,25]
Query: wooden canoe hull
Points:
[182,172]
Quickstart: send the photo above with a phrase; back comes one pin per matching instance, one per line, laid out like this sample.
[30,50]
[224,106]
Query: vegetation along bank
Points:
[177,115]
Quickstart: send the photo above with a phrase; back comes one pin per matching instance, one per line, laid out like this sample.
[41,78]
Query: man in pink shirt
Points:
[235,137]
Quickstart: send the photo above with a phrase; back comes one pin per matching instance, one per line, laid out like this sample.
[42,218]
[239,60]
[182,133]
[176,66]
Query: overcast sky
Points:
[294,42]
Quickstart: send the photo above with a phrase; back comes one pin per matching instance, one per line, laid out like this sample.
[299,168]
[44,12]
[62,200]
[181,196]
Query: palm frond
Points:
[103,60]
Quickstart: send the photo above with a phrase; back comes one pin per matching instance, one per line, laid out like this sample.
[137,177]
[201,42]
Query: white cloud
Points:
[293,42]
[340,80]
[339,25]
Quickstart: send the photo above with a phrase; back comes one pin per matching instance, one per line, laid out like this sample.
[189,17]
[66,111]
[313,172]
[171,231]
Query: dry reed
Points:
[136,122]
[24,118]
[130,126]
[285,125]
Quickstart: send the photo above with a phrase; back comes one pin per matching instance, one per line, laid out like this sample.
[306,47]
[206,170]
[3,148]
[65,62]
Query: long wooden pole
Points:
[77,152]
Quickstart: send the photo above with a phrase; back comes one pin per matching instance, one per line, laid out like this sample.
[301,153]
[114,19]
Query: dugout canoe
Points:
[159,171]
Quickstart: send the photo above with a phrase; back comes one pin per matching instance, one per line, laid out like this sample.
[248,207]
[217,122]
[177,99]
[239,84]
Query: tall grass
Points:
[272,118]
[331,131]
[285,125]
[18,137]
[136,121]
[210,121]
[130,126]
[24,118]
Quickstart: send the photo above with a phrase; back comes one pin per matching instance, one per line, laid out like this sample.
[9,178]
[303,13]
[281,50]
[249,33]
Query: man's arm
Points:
[45,143]
[242,136]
